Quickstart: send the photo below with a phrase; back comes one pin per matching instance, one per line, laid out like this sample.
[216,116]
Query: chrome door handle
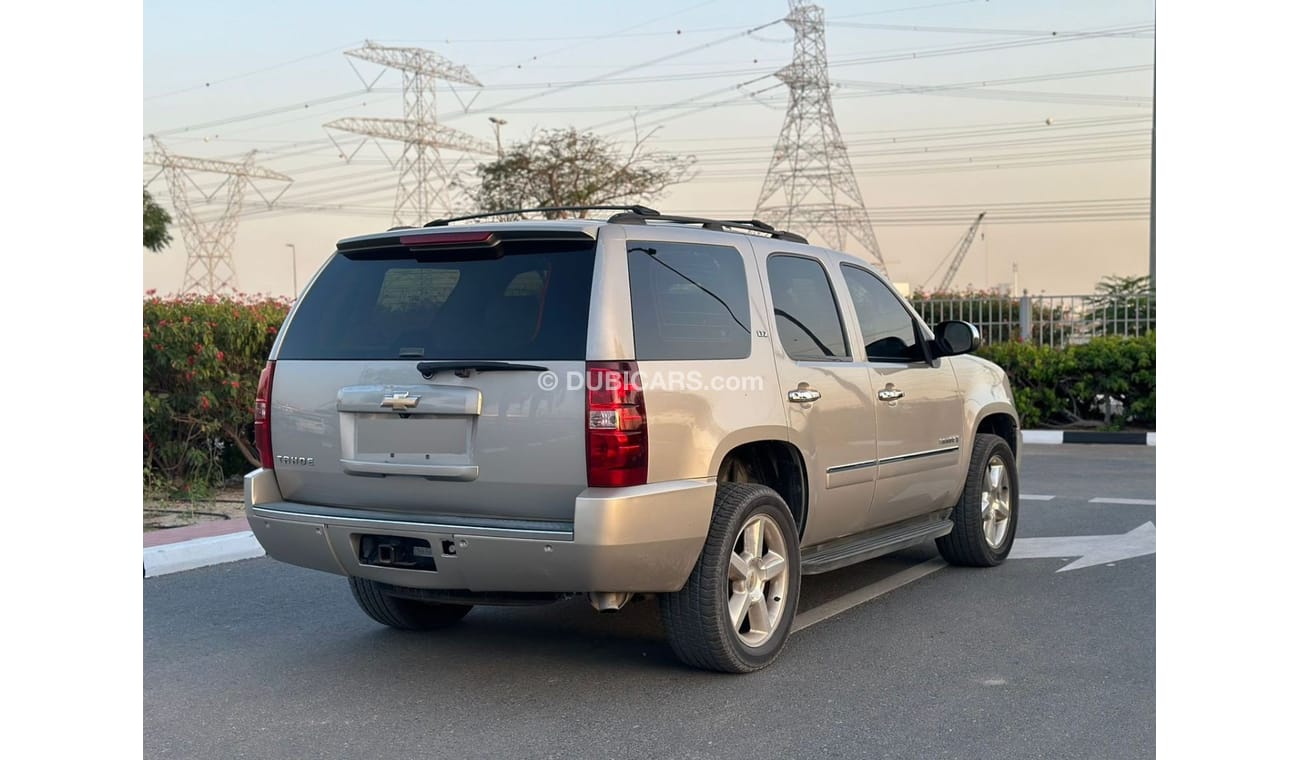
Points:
[890,393]
[804,395]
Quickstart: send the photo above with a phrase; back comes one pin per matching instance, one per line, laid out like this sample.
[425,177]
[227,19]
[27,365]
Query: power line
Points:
[267,112]
[906,8]
[964,30]
[246,74]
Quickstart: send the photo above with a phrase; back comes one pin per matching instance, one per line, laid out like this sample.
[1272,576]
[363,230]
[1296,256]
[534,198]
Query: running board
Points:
[842,552]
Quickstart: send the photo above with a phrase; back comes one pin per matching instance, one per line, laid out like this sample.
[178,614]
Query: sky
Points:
[1065,144]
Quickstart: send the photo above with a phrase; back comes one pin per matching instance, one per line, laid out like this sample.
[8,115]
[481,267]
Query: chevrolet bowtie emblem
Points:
[400,401]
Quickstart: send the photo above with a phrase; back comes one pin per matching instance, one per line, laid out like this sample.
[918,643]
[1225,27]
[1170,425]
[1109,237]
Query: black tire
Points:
[696,618]
[967,543]
[403,614]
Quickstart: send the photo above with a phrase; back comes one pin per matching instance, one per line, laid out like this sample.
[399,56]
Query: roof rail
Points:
[721,225]
[637,214]
[635,209]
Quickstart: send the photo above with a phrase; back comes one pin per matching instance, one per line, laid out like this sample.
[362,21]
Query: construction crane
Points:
[958,255]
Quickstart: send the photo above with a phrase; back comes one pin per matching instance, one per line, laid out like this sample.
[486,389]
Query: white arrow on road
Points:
[1090,550]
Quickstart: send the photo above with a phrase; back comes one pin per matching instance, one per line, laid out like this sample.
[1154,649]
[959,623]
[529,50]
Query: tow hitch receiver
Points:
[396,551]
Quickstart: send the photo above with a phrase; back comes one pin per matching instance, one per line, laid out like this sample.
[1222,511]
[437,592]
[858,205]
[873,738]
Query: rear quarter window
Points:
[689,301]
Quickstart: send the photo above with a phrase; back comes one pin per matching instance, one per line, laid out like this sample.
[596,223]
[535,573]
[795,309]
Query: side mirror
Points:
[956,337]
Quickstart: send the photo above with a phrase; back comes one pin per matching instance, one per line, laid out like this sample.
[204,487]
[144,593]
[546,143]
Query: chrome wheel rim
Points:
[995,502]
[758,576]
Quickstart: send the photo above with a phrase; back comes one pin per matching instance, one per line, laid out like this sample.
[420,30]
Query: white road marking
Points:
[1090,550]
[1138,502]
[823,612]
[1035,497]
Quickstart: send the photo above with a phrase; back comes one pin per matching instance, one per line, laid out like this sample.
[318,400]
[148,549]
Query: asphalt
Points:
[259,659]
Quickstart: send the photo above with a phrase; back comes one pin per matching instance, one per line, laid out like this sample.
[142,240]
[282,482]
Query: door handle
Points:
[890,393]
[804,395]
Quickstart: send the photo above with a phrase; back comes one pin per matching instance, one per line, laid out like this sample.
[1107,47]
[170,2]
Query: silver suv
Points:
[698,410]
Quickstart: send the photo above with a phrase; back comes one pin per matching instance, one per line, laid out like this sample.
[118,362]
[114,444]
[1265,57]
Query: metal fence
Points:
[1045,320]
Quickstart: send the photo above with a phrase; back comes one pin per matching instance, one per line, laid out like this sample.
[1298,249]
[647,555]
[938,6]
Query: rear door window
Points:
[807,315]
[529,303]
[689,301]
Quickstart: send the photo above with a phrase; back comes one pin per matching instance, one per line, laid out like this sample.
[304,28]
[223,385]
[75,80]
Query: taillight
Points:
[262,416]
[447,238]
[617,445]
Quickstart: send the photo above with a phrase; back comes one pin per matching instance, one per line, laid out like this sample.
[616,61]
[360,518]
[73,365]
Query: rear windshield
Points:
[531,303]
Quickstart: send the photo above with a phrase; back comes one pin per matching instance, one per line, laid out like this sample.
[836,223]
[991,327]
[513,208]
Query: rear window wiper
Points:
[462,368]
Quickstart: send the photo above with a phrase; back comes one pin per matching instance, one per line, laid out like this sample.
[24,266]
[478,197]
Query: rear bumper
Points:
[642,539]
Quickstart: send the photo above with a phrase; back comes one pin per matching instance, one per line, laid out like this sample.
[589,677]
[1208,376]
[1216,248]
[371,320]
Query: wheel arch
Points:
[771,461]
[1002,424]
[996,418]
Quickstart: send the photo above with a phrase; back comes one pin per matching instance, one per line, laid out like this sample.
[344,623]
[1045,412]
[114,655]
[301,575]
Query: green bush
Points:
[202,359]
[1124,368]
[1060,385]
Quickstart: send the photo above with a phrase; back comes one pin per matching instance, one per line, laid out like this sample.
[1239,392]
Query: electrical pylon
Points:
[209,266]
[426,187]
[810,185]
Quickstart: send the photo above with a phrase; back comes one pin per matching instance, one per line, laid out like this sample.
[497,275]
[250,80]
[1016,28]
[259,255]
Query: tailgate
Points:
[481,431]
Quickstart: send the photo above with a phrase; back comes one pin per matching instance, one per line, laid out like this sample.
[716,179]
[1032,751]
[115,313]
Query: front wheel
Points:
[984,521]
[736,610]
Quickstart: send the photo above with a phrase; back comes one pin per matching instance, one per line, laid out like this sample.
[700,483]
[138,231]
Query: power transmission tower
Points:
[810,180]
[210,266]
[426,187]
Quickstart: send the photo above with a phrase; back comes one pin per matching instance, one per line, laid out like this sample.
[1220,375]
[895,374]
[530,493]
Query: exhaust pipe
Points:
[609,601]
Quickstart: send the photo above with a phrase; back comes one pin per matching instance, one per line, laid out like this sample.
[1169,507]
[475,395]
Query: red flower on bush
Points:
[191,360]
[271,330]
[221,356]
[203,402]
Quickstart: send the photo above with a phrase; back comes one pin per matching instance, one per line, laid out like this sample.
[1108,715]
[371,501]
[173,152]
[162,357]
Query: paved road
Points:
[258,659]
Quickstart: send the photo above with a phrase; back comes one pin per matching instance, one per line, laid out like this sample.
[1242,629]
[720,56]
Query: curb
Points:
[200,552]
[1087,436]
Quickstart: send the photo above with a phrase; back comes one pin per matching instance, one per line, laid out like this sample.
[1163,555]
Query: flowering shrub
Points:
[202,358]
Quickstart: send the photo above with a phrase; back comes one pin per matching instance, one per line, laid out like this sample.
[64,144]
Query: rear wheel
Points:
[736,610]
[984,521]
[403,614]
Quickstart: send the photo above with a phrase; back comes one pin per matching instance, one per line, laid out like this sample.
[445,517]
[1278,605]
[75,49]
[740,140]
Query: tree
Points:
[156,219]
[1122,306]
[562,167]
